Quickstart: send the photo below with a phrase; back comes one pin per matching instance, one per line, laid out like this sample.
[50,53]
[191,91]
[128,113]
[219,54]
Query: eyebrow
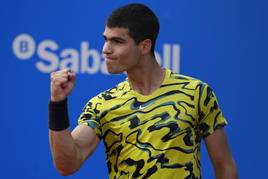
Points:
[114,38]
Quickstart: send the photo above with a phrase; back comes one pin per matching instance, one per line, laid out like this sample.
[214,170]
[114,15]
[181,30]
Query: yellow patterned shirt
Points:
[156,136]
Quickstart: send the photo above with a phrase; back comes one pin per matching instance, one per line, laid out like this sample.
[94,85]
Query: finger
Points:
[71,76]
[64,85]
[67,70]
[59,77]
[59,81]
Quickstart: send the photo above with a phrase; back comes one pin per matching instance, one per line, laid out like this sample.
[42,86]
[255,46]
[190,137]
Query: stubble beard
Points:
[113,69]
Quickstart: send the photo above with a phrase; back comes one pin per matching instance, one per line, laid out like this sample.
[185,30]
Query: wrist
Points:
[57,99]
[58,115]
[58,102]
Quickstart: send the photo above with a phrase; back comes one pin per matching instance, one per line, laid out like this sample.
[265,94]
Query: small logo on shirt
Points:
[146,106]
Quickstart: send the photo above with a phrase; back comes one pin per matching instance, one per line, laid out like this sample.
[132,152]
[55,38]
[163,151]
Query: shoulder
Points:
[114,92]
[186,82]
[97,103]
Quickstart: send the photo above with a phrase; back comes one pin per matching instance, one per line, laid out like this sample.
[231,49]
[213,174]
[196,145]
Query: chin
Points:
[114,71]
[111,69]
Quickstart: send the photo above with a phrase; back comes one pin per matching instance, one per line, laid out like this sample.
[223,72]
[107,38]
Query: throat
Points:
[147,85]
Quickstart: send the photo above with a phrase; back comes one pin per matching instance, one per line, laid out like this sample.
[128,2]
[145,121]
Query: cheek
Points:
[123,52]
[129,56]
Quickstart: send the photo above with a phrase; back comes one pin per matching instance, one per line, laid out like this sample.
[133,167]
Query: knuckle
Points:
[52,74]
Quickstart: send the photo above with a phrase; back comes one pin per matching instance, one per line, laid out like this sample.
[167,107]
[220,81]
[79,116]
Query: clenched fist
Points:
[61,84]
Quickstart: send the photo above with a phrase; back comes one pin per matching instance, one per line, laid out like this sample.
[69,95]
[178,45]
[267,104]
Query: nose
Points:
[107,49]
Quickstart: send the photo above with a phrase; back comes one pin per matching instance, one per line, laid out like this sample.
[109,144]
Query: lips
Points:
[108,58]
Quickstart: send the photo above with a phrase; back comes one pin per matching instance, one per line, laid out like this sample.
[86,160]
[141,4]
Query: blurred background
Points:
[223,43]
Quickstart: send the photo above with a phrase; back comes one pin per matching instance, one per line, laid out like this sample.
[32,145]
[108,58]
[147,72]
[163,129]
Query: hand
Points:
[61,84]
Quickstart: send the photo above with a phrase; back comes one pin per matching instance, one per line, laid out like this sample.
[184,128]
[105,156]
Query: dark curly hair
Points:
[140,21]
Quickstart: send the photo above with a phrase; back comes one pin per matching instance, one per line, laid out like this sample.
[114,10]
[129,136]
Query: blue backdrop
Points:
[223,43]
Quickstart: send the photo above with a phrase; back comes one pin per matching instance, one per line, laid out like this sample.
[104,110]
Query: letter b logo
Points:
[23,46]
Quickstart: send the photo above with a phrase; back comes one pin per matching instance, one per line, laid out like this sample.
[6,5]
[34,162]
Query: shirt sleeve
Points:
[90,116]
[210,114]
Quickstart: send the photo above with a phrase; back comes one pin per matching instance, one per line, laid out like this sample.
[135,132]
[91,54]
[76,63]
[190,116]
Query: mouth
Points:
[110,58]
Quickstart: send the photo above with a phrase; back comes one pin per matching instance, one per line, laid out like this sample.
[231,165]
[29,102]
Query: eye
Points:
[117,41]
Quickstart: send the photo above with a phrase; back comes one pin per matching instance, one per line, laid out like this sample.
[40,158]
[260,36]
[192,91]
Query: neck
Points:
[146,78]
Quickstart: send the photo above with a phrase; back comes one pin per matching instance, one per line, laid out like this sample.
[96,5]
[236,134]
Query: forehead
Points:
[116,32]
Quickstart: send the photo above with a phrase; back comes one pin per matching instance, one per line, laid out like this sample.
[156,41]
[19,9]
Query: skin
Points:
[122,54]
[220,155]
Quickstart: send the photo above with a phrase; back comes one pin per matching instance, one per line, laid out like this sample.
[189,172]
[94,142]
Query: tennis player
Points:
[152,123]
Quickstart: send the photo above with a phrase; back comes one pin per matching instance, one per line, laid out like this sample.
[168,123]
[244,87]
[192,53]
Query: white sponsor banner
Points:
[52,57]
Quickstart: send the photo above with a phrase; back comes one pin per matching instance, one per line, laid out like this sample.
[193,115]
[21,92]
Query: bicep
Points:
[85,139]
[218,148]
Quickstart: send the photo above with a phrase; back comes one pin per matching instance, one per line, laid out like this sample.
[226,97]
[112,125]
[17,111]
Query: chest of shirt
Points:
[166,117]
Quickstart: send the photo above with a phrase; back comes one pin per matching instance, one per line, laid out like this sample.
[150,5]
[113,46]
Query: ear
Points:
[145,46]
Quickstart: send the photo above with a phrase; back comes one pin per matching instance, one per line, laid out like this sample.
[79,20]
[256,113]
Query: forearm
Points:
[69,150]
[66,155]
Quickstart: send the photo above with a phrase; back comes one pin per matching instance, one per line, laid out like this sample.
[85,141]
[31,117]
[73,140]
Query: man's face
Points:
[120,51]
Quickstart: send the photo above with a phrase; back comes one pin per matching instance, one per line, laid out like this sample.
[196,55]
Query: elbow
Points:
[65,169]
[64,172]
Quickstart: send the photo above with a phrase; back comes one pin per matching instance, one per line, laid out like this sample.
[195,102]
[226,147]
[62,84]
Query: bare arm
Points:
[70,150]
[220,155]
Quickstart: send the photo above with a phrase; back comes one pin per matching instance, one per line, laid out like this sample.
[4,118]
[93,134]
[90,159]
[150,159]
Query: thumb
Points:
[71,76]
